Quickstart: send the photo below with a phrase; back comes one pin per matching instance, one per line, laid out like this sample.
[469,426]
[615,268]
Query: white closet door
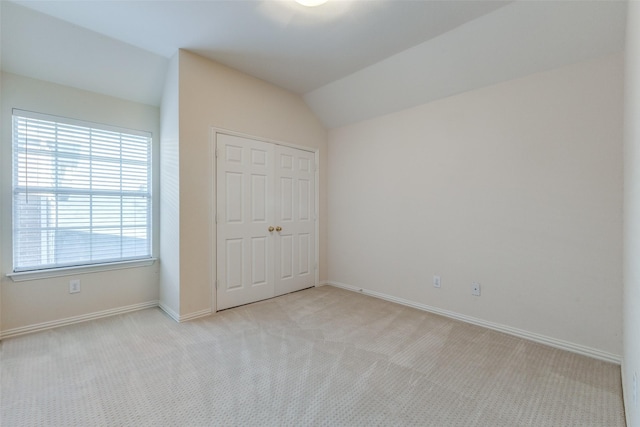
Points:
[265,220]
[245,211]
[295,215]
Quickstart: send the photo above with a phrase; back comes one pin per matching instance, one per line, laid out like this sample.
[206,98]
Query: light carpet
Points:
[323,356]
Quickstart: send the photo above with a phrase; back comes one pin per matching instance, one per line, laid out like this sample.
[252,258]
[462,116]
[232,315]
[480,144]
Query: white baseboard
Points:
[178,318]
[175,316]
[195,315]
[543,339]
[322,283]
[75,319]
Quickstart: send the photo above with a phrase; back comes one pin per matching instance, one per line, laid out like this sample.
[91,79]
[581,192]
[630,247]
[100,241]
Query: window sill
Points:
[24,276]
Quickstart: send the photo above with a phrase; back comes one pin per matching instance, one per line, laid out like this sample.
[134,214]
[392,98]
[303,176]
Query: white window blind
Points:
[81,193]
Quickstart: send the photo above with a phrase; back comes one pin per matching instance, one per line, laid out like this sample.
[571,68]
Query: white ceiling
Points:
[350,59]
[39,46]
[517,40]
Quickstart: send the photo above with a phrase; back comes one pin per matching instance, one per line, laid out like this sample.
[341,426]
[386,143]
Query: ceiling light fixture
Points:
[311,3]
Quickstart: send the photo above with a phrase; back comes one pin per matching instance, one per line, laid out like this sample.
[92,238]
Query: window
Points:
[81,193]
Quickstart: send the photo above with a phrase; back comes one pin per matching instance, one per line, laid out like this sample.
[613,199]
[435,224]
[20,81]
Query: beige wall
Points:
[25,304]
[517,186]
[212,95]
[170,190]
[631,355]
[2,190]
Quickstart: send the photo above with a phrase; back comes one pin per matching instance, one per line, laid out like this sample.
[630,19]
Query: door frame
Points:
[213,202]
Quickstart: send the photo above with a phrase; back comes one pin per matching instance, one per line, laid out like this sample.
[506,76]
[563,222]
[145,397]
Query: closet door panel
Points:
[245,195]
[295,214]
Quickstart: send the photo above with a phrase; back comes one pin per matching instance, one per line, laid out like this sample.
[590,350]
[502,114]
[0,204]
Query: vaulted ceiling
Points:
[351,60]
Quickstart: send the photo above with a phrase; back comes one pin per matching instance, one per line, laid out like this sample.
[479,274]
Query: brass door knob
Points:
[278,228]
[271,229]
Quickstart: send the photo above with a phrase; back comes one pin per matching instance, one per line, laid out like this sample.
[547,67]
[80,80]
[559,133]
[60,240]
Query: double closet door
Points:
[265,220]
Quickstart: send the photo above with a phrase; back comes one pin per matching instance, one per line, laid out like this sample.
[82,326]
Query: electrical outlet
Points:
[74,286]
[475,289]
[436,281]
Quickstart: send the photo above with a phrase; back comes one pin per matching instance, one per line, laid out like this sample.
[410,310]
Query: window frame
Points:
[28,273]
